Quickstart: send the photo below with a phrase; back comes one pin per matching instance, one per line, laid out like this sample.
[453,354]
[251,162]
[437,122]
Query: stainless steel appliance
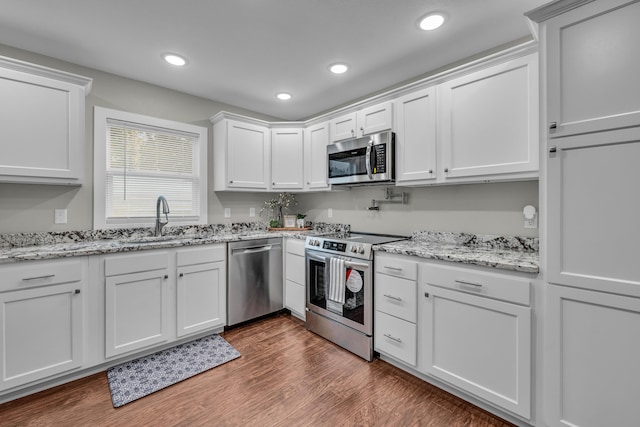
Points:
[254,279]
[350,324]
[369,159]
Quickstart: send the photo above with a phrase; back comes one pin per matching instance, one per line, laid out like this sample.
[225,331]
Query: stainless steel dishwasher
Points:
[255,285]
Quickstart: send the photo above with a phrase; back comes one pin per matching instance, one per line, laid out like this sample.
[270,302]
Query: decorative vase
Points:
[300,222]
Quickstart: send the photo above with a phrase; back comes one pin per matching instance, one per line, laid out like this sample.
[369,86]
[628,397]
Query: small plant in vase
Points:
[274,209]
[300,220]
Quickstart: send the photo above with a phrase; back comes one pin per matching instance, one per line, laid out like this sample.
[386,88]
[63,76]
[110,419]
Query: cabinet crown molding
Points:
[39,70]
[555,8]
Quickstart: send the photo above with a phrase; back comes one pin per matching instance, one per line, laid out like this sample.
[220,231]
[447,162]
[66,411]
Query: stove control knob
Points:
[361,250]
[316,242]
[354,249]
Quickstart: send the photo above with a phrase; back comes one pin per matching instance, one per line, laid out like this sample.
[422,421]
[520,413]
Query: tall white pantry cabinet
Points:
[590,72]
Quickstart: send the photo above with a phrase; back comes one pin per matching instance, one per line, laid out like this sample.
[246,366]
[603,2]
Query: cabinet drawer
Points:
[395,337]
[294,268]
[34,273]
[492,285]
[201,255]
[135,263]
[396,265]
[395,296]
[295,246]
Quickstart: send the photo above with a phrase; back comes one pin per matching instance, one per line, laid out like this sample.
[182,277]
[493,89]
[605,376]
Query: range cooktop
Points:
[355,245]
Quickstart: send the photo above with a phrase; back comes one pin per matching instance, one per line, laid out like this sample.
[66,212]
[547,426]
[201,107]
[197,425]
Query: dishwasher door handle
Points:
[255,250]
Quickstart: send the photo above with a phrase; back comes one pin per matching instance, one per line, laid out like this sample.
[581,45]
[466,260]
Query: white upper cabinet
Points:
[593,67]
[287,159]
[42,113]
[376,118]
[316,139]
[416,137]
[488,122]
[241,154]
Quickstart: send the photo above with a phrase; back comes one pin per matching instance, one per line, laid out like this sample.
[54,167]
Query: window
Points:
[138,158]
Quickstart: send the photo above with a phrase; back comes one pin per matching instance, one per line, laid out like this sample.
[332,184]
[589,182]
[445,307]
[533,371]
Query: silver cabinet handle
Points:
[430,170]
[446,170]
[393,268]
[393,297]
[181,275]
[553,149]
[393,338]
[26,279]
[553,125]
[231,182]
[166,276]
[470,285]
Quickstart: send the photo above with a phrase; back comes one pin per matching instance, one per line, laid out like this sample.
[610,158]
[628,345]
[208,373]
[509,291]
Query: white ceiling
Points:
[242,52]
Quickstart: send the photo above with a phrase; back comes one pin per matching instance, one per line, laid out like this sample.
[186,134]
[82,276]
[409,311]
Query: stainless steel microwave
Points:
[369,159]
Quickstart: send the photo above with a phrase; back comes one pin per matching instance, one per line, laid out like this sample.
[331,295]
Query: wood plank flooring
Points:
[287,376]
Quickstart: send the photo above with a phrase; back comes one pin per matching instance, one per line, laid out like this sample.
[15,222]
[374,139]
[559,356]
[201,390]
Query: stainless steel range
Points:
[340,289]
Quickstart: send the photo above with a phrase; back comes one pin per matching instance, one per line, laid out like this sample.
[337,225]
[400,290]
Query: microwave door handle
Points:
[368,155]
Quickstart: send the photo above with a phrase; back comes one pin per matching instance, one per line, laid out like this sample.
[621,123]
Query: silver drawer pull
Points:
[392,338]
[470,285]
[392,297]
[26,279]
[393,268]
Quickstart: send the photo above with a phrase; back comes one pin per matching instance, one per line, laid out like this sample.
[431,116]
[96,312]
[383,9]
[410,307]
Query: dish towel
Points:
[337,273]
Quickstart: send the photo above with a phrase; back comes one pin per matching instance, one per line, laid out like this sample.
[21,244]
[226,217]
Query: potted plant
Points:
[274,209]
[300,220]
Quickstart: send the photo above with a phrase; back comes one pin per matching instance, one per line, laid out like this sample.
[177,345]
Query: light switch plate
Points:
[60,216]
[330,213]
[252,212]
[227,212]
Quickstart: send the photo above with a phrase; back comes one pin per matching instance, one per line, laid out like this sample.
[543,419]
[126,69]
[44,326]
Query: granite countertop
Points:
[506,253]
[40,246]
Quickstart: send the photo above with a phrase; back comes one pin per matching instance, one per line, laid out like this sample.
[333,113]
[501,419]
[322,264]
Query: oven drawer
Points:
[395,337]
[396,265]
[499,286]
[395,296]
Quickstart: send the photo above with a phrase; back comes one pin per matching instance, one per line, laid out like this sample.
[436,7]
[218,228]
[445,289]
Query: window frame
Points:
[101,116]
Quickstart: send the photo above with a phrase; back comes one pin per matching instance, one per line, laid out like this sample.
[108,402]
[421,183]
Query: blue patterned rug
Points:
[141,377]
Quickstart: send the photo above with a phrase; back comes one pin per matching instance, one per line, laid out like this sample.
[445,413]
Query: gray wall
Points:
[483,208]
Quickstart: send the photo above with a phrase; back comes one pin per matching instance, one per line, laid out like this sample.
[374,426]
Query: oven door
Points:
[356,311]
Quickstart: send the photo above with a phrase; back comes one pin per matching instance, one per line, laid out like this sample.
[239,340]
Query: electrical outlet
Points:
[227,212]
[530,217]
[60,216]
[531,223]
[252,212]
[330,213]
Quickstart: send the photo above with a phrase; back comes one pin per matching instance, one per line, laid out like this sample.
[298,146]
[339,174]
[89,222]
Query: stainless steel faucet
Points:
[165,211]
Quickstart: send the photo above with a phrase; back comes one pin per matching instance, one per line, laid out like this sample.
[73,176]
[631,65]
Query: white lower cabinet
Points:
[478,343]
[395,315]
[137,301]
[294,285]
[593,349]
[41,320]
[201,287]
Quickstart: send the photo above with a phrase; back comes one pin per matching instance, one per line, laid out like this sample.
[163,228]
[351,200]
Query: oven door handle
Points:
[368,155]
[356,265]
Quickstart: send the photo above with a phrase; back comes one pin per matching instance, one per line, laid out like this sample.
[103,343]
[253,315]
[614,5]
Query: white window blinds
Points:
[144,162]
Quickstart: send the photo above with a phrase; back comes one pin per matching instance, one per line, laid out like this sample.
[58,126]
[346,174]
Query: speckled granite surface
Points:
[49,245]
[503,252]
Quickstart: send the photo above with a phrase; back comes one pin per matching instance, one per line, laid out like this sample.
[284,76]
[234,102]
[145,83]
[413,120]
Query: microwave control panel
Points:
[380,156]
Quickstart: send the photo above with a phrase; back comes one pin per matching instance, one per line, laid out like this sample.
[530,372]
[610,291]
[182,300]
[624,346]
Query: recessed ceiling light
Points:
[338,68]
[283,96]
[174,59]
[432,21]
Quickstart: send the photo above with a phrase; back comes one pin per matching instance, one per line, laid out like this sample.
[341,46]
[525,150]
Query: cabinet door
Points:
[136,310]
[41,128]
[287,161]
[40,333]
[201,297]
[316,139]
[480,345]
[343,127]
[593,67]
[592,353]
[489,121]
[416,137]
[376,118]
[248,162]
[593,207]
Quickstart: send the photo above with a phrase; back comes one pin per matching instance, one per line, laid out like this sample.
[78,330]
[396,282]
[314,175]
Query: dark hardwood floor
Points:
[286,376]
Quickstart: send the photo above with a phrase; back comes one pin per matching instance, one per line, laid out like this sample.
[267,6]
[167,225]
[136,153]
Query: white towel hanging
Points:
[337,278]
